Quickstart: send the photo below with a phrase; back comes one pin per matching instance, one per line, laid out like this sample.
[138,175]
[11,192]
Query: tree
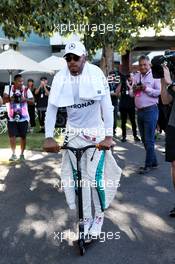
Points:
[128,17]
[21,17]
[108,24]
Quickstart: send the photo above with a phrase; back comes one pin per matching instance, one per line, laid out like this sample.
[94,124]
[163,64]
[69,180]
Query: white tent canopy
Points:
[12,60]
[54,63]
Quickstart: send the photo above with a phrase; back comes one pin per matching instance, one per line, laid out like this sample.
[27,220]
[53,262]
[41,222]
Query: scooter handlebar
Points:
[83,148]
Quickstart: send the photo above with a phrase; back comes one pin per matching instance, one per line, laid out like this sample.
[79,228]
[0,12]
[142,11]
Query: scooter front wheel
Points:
[82,251]
[81,247]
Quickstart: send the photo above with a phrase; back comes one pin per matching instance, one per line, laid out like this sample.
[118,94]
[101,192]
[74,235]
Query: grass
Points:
[34,141]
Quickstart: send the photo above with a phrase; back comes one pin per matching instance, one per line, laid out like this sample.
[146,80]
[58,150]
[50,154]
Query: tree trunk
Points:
[126,63]
[107,60]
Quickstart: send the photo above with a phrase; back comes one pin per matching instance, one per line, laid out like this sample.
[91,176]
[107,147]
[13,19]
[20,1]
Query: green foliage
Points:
[19,17]
[34,141]
[129,17]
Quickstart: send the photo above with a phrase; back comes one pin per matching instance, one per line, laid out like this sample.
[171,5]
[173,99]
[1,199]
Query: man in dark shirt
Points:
[113,80]
[168,97]
[127,107]
[42,93]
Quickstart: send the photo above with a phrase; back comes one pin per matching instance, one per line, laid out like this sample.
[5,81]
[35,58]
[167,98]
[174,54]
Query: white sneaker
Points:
[95,230]
[87,224]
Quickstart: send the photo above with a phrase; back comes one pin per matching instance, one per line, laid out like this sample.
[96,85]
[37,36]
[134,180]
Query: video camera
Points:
[158,61]
[138,86]
[17,98]
[17,115]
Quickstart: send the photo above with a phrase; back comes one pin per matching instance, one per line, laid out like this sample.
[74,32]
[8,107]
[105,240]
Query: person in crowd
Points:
[17,97]
[83,89]
[1,101]
[113,83]
[164,113]
[41,95]
[168,97]
[31,107]
[127,106]
[146,91]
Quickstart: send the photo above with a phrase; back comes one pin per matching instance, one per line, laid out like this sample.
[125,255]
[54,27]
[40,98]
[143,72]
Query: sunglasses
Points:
[69,58]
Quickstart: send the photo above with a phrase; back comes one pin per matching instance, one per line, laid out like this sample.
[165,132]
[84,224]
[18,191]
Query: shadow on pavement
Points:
[136,230]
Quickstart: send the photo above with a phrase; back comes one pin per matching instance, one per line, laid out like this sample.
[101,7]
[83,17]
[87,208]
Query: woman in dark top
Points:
[31,107]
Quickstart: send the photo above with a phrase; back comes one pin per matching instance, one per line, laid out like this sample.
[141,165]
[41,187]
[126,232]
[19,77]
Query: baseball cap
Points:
[75,47]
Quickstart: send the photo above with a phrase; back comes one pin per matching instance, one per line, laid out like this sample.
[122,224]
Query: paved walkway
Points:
[33,213]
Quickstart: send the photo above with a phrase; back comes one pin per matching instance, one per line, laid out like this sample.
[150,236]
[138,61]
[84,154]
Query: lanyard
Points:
[141,78]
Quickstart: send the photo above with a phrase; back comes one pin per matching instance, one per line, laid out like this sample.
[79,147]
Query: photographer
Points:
[17,97]
[146,91]
[41,95]
[168,97]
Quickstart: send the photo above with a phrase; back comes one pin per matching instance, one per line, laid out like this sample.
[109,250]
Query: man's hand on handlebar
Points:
[107,143]
[50,145]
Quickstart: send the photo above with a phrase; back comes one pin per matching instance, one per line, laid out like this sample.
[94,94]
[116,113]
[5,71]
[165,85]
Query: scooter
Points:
[78,152]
